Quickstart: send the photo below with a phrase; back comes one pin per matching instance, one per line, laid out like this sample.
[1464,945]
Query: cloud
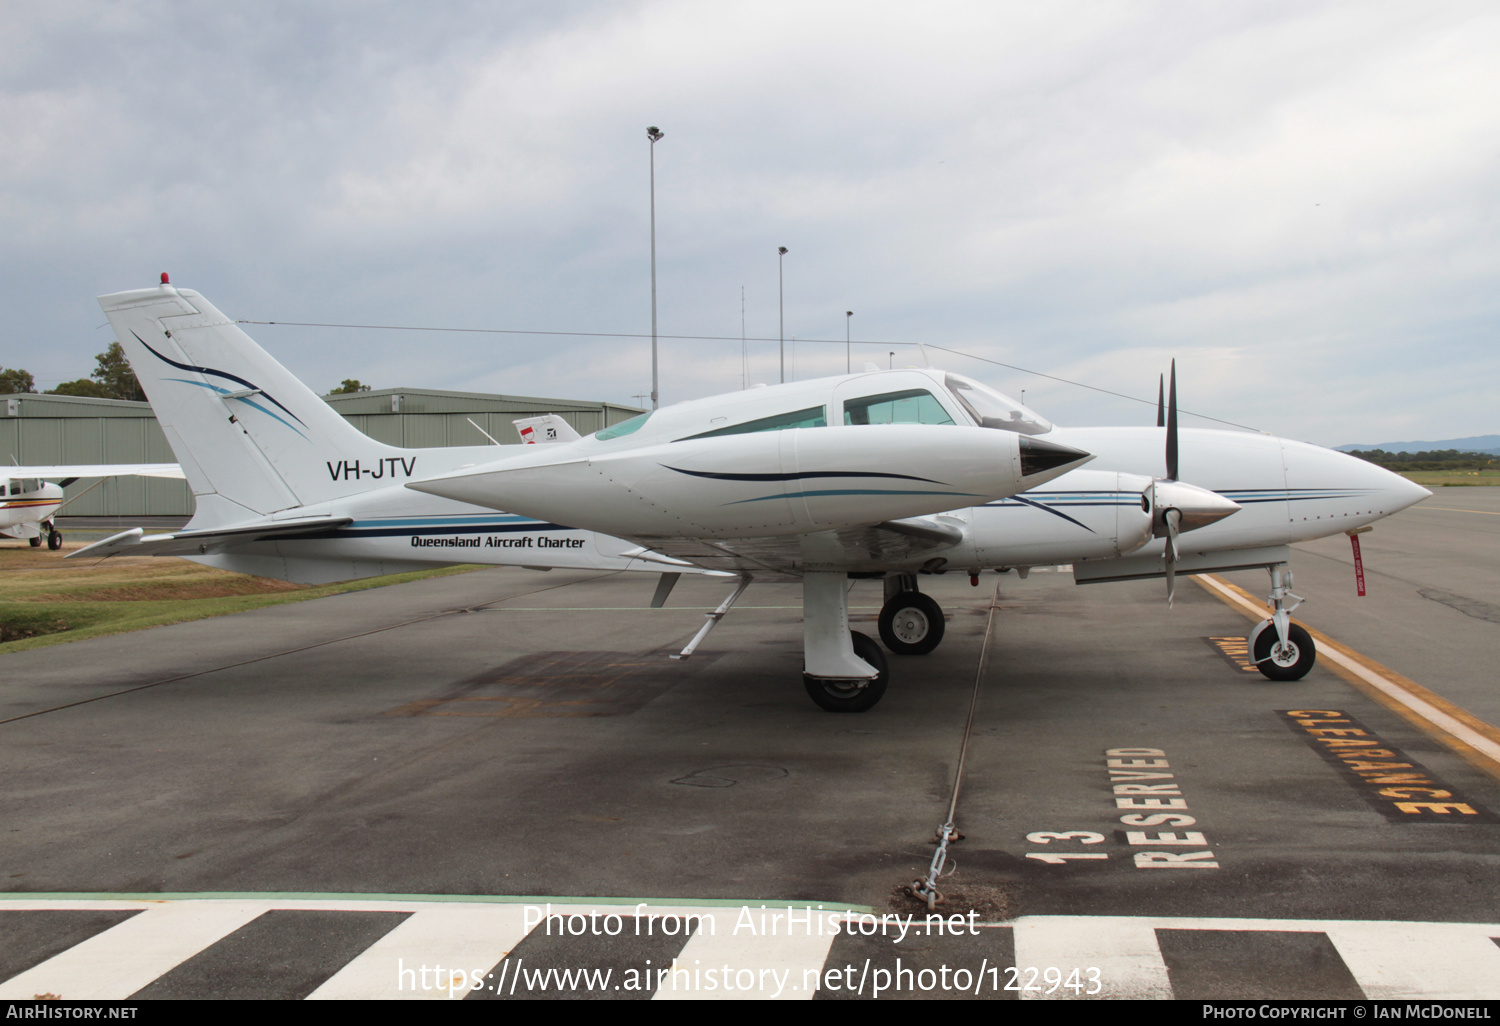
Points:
[1294,199]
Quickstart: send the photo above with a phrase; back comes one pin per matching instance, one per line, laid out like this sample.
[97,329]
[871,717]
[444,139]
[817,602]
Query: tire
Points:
[36,542]
[54,540]
[1291,664]
[851,696]
[911,624]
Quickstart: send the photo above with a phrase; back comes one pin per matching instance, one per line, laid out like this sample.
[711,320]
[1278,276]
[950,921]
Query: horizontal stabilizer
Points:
[135,542]
[59,473]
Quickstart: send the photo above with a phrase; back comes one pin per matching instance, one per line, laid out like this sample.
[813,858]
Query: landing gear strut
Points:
[844,671]
[1281,649]
[910,622]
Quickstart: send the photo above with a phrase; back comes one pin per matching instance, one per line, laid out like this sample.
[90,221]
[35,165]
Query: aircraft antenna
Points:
[481,430]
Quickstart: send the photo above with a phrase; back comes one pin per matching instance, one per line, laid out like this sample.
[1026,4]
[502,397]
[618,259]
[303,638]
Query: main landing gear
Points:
[54,537]
[910,622]
[1281,649]
[843,671]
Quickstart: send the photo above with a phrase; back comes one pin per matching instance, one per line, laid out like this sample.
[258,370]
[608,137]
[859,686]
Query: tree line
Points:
[1433,459]
[113,379]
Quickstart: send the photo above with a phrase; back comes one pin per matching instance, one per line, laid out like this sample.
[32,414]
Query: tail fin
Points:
[251,438]
[549,427]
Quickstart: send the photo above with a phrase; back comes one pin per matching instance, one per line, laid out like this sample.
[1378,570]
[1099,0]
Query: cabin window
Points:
[912,406]
[816,416]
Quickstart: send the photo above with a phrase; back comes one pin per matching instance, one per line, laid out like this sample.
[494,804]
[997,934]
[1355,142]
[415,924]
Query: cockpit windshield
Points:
[992,410]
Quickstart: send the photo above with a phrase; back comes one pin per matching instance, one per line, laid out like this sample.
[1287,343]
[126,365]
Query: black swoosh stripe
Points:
[219,373]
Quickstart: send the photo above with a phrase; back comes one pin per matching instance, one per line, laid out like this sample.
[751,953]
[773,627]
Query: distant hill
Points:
[1478,443]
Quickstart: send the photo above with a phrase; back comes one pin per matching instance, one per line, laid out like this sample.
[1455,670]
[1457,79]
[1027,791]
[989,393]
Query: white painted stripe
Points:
[1123,951]
[1389,960]
[113,965]
[784,968]
[1418,960]
[431,956]
[1424,709]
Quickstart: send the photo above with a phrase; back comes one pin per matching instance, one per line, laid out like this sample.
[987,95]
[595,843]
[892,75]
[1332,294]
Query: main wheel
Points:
[851,696]
[54,540]
[36,542]
[911,624]
[1291,661]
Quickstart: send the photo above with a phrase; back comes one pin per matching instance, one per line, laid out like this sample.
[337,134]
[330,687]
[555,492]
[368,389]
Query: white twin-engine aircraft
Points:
[883,474]
[28,503]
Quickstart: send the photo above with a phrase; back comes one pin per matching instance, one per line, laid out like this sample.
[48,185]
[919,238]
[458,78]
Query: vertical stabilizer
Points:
[251,438]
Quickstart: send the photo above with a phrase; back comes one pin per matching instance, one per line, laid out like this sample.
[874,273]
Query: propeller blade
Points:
[1174,519]
[1172,426]
[1161,400]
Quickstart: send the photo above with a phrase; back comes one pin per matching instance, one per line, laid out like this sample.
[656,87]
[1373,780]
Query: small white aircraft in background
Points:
[884,474]
[28,502]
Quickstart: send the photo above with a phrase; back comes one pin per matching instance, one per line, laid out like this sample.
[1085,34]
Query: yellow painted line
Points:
[1475,740]
[1455,509]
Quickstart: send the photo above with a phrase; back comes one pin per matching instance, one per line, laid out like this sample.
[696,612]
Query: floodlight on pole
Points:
[848,360]
[781,306]
[654,134]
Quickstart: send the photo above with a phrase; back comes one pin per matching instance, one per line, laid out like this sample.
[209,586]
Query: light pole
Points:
[848,365]
[654,134]
[781,306]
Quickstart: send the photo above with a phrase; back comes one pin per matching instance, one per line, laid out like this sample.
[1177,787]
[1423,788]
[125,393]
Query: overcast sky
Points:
[1296,200]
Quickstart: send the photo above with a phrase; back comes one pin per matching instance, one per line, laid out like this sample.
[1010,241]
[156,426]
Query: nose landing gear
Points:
[1281,649]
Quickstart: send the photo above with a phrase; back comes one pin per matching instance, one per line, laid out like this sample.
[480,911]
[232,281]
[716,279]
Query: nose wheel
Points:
[911,624]
[1284,660]
[1282,650]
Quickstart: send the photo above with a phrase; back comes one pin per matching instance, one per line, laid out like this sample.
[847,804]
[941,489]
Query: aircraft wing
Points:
[892,541]
[63,473]
[136,542]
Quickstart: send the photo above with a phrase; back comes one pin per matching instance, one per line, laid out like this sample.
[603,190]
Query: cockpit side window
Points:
[625,427]
[992,410]
[910,406]
[816,416]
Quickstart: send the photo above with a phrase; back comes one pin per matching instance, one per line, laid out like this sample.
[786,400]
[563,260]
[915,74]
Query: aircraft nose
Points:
[1199,506]
[1404,492]
[1039,455]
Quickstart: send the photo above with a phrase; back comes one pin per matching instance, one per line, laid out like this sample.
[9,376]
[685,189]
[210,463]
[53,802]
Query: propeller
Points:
[1171,517]
[1172,426]
[1178,506]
